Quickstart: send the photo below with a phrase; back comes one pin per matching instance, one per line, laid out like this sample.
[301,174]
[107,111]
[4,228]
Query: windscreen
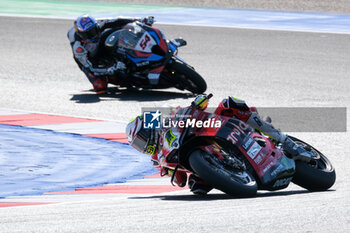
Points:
[130,35]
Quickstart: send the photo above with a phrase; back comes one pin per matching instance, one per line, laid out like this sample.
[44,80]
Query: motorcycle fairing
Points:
[154,74]
[272,167]
[137,42]
[203,116]
[172,47]
[145,43]
[146,52]
[159,37]
[151,57]
[270,164]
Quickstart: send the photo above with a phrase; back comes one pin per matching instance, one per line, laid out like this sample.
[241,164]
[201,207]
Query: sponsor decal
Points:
[236,131]
[121,51]
[150,150]
[248,143]
[247,113]
[277,170]
[254,150]
[268,167]
[111,39]
[282,182]
[144,63]
[258,159]
[86,23]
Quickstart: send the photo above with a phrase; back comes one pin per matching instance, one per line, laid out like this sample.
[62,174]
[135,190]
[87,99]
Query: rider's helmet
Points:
[87,28]
[140,138]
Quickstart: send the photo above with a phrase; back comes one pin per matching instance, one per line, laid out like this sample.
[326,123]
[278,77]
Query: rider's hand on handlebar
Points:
[149,20]
[119,66]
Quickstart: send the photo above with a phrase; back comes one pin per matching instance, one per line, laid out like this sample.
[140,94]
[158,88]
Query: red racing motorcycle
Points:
[234,158]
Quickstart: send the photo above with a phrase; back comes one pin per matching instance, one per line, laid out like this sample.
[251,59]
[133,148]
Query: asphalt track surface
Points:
[266,68]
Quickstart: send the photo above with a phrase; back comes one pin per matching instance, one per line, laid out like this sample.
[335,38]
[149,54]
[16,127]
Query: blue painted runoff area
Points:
[34,161]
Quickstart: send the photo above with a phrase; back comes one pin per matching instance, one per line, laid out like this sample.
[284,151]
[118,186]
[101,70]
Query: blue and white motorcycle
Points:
[151,60]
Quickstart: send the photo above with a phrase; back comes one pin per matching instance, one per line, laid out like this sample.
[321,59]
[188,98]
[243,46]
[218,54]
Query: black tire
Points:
[236,184]
[317,175]
[187,78]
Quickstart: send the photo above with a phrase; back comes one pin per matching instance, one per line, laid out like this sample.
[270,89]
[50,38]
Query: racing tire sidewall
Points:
[218,180]
[311,178]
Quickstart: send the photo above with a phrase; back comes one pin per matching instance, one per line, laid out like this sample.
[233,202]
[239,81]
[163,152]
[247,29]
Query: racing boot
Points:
[292,149]
[99,83]
[198,186]
[180,178]
[296,151]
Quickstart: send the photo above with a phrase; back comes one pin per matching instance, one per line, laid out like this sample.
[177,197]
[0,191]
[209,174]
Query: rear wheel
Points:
[185,77]
[215,171]
[316,175]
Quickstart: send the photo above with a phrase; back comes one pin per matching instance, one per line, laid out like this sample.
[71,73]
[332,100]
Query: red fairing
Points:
[162,43]
[213,129]
[253,109]
[265,159]
[141,54]
[262,161]
[157,70]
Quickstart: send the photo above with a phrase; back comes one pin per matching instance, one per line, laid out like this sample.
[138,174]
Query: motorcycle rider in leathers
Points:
[87,41]
[141,138]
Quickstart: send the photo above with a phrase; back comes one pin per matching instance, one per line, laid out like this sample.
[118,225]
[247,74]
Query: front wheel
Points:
[235,182]
[185,77]
[316,175]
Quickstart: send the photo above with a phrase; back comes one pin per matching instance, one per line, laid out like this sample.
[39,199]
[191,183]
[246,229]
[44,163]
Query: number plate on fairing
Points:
[146,43]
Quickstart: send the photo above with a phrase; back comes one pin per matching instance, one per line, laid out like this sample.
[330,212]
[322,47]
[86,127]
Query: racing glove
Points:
[119,66]
[149,20]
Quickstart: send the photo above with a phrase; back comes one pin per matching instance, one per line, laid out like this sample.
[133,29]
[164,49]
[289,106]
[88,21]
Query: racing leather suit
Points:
[91,57]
